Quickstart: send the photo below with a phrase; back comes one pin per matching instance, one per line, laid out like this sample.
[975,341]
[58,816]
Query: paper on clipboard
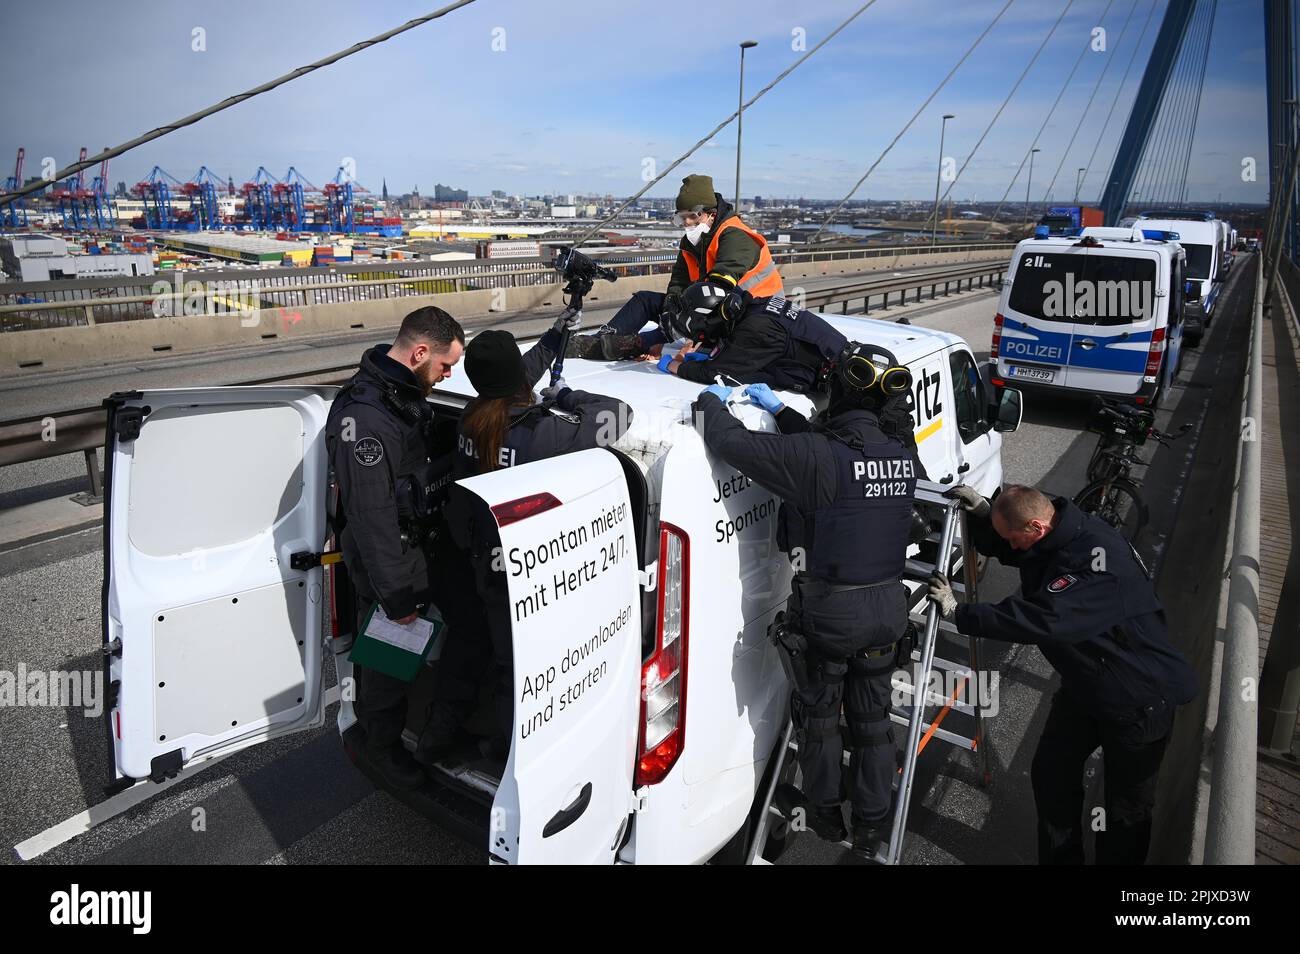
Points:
[412,637]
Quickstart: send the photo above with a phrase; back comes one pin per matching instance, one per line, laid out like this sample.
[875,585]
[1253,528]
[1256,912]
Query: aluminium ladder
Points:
[953,554]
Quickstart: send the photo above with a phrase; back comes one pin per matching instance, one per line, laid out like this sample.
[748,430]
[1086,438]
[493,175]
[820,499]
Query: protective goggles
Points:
[679,218]
[862,366]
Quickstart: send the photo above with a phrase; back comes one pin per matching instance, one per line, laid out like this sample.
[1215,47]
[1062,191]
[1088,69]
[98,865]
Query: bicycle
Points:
[1113,491]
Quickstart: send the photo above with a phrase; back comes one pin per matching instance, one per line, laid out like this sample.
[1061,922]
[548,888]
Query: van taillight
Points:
[997,337]
[513,511]
[663,677]
[1154,355]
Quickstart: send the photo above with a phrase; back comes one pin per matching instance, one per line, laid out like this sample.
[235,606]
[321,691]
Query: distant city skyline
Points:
[500,96]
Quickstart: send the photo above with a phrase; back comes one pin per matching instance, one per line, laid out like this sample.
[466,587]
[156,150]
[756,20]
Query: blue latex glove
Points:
[695,356]
[664,362]
[764,397]
[720,391]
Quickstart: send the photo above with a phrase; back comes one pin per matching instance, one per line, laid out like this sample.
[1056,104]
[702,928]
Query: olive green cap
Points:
[696,190]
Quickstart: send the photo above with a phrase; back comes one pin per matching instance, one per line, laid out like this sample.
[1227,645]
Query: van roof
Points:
[1108,237]
[648,391]
[1189,230]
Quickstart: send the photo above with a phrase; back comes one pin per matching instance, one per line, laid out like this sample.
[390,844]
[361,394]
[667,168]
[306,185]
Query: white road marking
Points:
[123,801]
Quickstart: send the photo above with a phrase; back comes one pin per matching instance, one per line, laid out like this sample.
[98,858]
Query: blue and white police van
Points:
[1098,312]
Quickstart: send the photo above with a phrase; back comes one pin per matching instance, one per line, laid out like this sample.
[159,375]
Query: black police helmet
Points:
[701,316]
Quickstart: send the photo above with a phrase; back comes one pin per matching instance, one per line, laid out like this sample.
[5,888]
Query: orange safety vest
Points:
[761,281]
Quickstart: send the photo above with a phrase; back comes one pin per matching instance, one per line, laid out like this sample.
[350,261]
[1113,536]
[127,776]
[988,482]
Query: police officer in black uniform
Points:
[385,452]
[1089,605]
[846,488]
[507,426]
[749,340]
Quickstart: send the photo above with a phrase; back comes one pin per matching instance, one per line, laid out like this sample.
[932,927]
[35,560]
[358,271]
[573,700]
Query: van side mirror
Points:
[1010,410]
[1192,291]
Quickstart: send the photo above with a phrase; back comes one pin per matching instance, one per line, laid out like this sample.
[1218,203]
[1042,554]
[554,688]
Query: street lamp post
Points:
[938,174]
[740,112]
[1078,183]
[1028,181]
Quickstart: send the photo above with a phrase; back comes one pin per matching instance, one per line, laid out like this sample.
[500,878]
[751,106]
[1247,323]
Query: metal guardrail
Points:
[98,301]
[1279,685]
[884,287]
[1230,824]
[82,429]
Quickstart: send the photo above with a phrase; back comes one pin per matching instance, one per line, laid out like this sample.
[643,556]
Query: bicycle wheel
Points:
[1116,501]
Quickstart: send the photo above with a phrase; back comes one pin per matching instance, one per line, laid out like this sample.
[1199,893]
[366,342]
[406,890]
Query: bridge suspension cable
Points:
[998,114]
[1196,111]
[1088,106]
[1048,118]
[1087,169]
[908,125]
[721,126]
[226,103]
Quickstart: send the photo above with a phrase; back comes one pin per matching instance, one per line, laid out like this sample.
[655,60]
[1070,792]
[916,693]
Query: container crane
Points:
[75,199]
[202,192]
[156,191]
[258,199]
[102,206]
[14,214]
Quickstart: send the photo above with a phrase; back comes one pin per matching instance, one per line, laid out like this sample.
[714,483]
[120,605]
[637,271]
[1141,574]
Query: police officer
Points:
[382,447]
[507,426]
[716,246]
[846,489]
[1089,605]
[751,341]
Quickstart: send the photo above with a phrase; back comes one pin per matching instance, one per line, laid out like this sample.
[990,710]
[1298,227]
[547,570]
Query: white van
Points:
[1201,237]
[1101,312]
[1227,246]
[649,701]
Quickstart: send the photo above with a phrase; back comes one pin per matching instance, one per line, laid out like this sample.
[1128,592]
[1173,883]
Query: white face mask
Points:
[695,232]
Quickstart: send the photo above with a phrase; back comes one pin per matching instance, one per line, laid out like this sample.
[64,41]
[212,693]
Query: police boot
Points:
[604,345]
[587,346]
[620,347]
[442,734]
[869,840]
[826,822]
[396,767]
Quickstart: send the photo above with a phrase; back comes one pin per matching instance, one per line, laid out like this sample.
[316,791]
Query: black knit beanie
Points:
[494,364]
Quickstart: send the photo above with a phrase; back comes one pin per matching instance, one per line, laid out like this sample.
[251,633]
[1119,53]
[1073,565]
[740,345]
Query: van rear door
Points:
[1120,308]
[568,549]
[1037,330]
[212,628]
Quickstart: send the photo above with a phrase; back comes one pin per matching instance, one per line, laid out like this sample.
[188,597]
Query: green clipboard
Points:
[397,651]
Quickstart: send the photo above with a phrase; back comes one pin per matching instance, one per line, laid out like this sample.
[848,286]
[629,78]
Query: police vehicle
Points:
[1099,312]
[1202,237]
[649,701]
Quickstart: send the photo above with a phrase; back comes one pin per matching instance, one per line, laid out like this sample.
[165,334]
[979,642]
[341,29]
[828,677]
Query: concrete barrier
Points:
[54,349]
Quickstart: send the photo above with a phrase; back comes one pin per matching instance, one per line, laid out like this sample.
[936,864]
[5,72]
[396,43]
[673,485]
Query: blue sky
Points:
[584,91]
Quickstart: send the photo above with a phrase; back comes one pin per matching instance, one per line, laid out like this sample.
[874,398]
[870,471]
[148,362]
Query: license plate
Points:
[1034,374]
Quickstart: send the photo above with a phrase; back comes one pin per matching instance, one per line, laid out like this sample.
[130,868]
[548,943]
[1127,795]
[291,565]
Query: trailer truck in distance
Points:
[1061,219]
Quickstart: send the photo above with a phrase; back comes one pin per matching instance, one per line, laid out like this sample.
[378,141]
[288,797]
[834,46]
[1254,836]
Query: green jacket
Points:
[737,252]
